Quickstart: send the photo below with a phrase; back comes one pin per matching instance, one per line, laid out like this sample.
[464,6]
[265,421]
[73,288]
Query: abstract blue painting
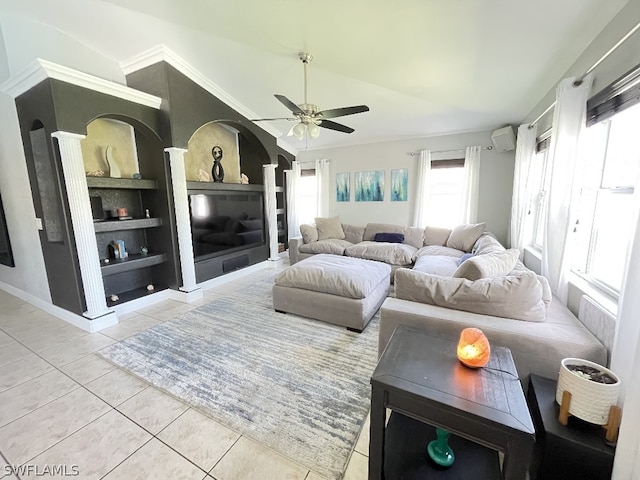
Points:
[343,194]
[369,186]
[399,185]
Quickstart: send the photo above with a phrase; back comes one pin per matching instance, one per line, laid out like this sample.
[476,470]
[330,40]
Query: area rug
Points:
[296,385]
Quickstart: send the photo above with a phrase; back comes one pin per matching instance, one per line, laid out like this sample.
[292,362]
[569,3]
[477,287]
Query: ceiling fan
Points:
[308,116]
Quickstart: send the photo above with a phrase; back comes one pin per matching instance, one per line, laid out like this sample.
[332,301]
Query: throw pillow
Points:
[489,265]
[463,237]
[329,228]
[436,236]
[464,257]
[309,233]
[389,237]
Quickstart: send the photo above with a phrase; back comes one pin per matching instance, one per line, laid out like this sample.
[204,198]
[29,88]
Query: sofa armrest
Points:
[294,249]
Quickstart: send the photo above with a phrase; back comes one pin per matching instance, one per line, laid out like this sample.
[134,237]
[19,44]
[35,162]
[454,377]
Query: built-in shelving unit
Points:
[132,262]
[116,225]
[122,183]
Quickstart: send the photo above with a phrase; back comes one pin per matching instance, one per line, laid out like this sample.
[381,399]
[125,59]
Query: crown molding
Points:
[40,69]
[160,53]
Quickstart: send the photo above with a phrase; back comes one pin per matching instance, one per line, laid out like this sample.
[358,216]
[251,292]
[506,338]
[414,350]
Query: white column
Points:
[183,224]
[270,204]
[82,221]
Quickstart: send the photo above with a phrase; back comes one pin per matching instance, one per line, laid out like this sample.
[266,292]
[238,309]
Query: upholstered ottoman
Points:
[341,290]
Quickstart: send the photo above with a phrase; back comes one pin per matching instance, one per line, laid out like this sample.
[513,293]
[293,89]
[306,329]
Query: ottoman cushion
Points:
[341,276]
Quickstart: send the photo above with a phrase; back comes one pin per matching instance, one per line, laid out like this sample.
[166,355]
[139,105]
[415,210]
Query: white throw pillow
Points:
[488,265]
[309,233]
[463,237]
[331,245]
[329,228]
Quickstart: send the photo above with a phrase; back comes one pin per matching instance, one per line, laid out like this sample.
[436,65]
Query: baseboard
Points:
[92,326]
[184,296]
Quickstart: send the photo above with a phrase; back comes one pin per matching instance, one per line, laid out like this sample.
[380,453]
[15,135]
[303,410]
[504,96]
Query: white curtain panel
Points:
[270,208]
[293,182]
[521,200]
[625,356]
[568,122]
[469,212]
[422,189]
[323,179]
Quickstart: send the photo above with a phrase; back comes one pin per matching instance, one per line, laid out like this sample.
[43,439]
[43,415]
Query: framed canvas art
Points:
[369,186]
[343,194]
[399,185]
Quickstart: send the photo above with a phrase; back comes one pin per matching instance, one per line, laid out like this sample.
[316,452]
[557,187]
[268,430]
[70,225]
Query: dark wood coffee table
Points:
[420,376]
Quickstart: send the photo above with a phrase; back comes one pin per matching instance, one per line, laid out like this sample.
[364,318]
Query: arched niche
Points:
[243,153]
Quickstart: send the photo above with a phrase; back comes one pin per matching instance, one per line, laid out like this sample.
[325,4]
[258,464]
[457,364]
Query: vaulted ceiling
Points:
[424,67]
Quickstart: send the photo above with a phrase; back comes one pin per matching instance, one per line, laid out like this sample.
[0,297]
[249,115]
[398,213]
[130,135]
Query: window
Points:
[444,206]
[307,196]
[610,155]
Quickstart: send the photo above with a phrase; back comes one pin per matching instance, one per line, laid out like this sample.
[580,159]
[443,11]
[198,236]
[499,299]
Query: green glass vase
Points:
[439,450]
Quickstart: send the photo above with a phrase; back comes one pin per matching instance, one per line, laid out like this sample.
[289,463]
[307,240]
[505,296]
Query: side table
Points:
[420,377]
[575,451]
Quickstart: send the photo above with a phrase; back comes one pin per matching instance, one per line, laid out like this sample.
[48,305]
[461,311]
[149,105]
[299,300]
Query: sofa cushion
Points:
[436,236]
[437,250]
[325,273]
[412,236]
[389,237]
[489,265]
[391,253]
[330,245]
[309,233]
[487,243]
[329,227]
[463,237]
[518,297]
[352,233]
[443,265]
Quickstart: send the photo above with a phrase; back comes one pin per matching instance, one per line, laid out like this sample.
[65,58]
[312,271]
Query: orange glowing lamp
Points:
[473,348]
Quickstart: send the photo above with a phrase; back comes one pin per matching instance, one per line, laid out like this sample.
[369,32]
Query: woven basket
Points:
[590,401]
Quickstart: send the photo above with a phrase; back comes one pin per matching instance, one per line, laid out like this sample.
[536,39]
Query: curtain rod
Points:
[415,154]
[591,69]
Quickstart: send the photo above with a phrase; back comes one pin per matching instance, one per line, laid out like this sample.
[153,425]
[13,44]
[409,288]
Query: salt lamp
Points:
[473,348]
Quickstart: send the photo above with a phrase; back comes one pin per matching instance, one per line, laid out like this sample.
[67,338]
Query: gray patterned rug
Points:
[297,385]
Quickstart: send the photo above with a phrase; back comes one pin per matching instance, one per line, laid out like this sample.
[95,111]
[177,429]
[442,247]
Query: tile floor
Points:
[64,407]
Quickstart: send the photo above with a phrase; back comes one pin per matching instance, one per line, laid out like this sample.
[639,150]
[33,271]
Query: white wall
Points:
[496,178]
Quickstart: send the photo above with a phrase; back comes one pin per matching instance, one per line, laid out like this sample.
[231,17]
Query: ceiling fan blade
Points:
[289,104]
[335,126]
[341,112]
[270,119]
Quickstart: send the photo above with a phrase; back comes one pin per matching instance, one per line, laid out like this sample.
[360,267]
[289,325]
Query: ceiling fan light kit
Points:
[309,117]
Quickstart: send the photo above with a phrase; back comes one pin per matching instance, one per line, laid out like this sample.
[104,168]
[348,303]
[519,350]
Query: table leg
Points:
[517,460]
[376,435]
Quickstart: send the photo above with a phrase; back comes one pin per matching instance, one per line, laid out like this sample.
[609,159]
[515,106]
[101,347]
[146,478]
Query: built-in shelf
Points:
[133,294]
[224,186]
[117,225]
[130,183]
[132,262]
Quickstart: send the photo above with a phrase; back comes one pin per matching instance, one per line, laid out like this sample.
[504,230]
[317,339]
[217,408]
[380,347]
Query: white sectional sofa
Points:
[447,280]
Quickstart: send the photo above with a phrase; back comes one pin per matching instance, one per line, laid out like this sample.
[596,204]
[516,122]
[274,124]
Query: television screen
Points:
[225,222]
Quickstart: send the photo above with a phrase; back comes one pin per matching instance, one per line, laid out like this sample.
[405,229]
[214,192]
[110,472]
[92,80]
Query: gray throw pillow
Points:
[463,237]
[309,233]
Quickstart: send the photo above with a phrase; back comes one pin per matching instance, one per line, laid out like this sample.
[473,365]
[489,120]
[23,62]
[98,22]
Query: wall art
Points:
[343,194]
[369,186]
[399,185]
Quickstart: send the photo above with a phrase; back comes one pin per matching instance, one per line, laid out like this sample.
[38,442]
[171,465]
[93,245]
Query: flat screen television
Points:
[224,222]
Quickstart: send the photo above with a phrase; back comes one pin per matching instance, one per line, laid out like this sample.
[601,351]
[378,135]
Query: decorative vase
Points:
[591,401]
[114,170]
[439,450]
[217,172]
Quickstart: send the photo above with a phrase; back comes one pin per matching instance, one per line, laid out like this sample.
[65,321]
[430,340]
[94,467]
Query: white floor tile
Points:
[117,386]
[35,393]
[250,461]
[199,438]
[25,369]
[88,368]
[152,409]
[77,348]
[158,462]
[32,434]
[358,468]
